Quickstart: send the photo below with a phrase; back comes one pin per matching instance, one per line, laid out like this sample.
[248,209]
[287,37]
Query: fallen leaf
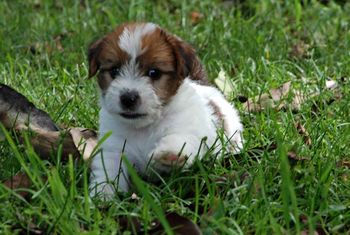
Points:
[277,98]
[49,46]
[224,83]
[279,93]
[299,50]
[272,99]
[294,157]
[303,132]
[344,164]
[18,182]
[196,17]
[58,43]
[179,224]
[85,140]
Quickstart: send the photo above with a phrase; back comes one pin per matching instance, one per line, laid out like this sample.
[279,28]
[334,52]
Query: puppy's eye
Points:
[154,74]
[115,71]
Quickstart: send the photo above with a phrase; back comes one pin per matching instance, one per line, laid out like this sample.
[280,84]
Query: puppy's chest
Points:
[138,146]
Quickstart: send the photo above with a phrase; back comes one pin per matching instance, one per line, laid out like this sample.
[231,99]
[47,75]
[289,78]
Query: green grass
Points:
[262,193]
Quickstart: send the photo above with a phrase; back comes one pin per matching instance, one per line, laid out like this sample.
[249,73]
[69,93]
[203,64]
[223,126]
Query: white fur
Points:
[230,115]
[130,41]
[184,121]
[150,103]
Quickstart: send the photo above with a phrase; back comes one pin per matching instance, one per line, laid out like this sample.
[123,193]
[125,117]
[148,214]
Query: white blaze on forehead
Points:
[130,40]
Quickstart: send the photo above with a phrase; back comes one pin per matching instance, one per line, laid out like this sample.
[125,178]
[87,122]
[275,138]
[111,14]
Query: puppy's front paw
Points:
[170,159]
[163,161]
[173,152]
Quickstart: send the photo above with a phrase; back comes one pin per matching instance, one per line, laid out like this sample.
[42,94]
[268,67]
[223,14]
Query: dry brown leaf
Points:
[299,50]
[196,17]
[58,43]
[294,157]
[224,83]
[344,164]
[276,98]
[85,140]
[48,46]
[303,132]
[279,93]
[273,99]
[19,181]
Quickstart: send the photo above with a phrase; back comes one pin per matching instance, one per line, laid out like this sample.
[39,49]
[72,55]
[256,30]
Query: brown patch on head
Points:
[158,54]
[105,54]
[93,54]
[188,64]
[174,58]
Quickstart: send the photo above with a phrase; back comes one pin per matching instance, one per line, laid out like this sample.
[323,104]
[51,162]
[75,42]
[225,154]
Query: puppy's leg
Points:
[229,118]
[176,150]
[108,174]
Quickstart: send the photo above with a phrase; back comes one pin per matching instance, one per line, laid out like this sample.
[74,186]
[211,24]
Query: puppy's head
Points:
[140,67]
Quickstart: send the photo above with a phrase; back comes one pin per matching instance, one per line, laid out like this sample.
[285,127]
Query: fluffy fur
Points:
[154,104]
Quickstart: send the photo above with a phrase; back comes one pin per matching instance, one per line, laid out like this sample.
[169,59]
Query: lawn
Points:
[285,181]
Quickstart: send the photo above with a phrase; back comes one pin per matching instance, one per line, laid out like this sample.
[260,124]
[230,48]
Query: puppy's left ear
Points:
[188,63]
[93,54]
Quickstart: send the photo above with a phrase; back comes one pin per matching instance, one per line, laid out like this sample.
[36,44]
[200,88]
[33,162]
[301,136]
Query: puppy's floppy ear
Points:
[188,64]
[93,54]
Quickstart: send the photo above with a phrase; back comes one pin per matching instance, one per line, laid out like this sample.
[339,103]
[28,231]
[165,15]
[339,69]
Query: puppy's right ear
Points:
[93,54]
[187,61]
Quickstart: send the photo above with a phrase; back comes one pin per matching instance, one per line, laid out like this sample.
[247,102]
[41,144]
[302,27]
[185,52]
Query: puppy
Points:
[155,104]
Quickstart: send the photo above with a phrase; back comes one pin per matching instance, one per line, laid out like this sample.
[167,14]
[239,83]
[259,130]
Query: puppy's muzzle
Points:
[130,100]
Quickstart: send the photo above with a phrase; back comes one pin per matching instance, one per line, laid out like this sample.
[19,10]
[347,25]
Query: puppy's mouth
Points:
[128,115]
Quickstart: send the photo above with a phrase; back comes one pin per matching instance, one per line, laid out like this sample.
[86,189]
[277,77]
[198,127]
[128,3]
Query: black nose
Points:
[129,99]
